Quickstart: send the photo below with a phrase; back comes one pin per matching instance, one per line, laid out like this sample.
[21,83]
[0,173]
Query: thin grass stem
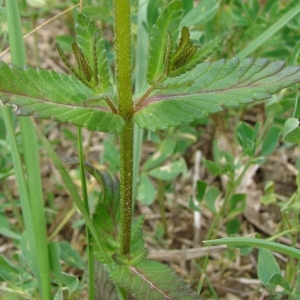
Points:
[34,210]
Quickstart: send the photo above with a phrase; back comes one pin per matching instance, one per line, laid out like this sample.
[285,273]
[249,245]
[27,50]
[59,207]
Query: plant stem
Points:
[124,95]
[126,176]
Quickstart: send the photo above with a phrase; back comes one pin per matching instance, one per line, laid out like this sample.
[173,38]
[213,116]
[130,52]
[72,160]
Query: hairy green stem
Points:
[124,94]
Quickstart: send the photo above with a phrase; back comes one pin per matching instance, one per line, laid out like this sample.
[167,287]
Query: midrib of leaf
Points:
[151,284]
[46,94]
[147,280]
[218,84]
[211,86]
[41,84]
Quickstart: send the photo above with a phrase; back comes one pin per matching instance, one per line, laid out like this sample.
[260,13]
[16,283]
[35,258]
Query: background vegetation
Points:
[238,157]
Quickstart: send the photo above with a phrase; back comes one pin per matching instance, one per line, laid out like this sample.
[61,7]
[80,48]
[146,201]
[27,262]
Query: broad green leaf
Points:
[92,45]
[187,5]
[213,167]
[215,85]
[166,148]
[85,29]
[70,255]
[54,261]
[105,290]
[270,141]
[149,280]
[236,205]
[278,279]
[145,190]
[201,14]
[167,23]
[233,226]
[269,195]
[169,171]
[50,95]
[245,134]
[291,131]
[5,229]
[201,188]
[111,155]
[137,238]
[71,282]
[103,73]
[8,272]
[192,205]
[211,197]
[65,42]
[267,266]
[153,12]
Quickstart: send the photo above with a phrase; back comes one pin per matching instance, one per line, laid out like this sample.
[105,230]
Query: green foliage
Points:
[269,273]
[105,290]
[220,84]
[254,242]
[199,55]
[202,13]
[291,130]
[151,280]
[92,46]
[181,88]
[49,95]
[167,23]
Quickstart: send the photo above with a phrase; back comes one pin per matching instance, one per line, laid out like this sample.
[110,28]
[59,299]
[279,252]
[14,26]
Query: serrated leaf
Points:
[216,85]
[167,23]
[85,29]
[50,95]
[92,45]
[110,186]
[184,51]
[149,280]
[103,74]
[104,287]
[137,239]
[153,8]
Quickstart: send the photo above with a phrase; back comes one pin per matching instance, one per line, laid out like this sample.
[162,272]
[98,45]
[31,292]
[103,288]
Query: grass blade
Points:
[31,192]
[261,39]
[241,241]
